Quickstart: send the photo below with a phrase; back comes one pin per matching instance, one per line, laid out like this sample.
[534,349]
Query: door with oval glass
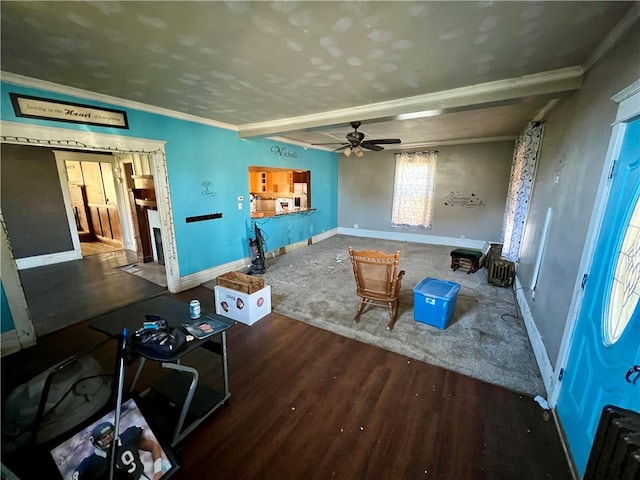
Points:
[605,350]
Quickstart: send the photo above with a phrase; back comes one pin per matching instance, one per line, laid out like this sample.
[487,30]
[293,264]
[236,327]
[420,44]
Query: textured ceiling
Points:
[304,70]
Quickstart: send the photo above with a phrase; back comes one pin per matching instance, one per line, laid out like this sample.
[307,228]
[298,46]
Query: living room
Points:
[350,196]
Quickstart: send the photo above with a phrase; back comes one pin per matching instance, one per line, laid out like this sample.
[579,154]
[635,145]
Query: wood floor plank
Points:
[63,294]
[307,403]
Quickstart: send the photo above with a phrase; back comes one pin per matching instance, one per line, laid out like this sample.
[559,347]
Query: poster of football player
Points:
[139,455]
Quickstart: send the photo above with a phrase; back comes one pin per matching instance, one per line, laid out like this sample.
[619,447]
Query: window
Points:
[625,289]
[413,189]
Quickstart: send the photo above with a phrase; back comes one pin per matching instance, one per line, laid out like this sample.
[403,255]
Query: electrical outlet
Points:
[239,205]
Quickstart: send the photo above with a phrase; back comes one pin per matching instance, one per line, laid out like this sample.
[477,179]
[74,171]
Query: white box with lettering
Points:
[247,308]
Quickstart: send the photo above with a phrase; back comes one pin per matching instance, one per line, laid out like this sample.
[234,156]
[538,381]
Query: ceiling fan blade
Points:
[371,146]
[331,143]
[384,141]
[341,147]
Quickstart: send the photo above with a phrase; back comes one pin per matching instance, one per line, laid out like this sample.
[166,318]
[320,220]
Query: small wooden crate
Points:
[240,282]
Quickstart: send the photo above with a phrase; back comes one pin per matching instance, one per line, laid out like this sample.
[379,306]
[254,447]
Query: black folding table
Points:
[182,387]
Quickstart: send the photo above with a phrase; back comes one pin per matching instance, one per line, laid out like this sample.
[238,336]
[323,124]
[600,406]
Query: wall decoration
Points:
[456,199]
[207,192]
[284,152]
[42,108]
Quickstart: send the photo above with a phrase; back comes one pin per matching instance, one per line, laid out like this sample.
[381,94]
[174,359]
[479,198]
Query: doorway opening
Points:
[113,203]
[94,201]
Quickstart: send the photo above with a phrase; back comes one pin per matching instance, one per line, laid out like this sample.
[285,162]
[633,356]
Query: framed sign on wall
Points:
[28,106]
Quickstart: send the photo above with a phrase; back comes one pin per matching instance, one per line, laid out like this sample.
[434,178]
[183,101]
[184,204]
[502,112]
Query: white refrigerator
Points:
[300,195]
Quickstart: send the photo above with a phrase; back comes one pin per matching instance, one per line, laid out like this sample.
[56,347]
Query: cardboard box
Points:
[434,301]
[247,308]
[241,282]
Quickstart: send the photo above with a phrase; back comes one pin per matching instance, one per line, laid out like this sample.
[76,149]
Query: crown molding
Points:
[99,97]
[613,36]
[627,92]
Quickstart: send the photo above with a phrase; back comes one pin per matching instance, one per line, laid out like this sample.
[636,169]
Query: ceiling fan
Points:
[356,142]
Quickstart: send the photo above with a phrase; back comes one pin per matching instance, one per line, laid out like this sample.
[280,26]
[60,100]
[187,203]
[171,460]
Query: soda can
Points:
[194,309]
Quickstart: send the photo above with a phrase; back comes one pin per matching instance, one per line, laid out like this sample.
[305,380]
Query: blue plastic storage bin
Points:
[434,301]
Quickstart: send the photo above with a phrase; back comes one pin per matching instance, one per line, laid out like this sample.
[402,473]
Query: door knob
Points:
[633,370]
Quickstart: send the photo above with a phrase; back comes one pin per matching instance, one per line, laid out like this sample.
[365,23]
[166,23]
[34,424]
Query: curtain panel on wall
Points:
[413,189]
[523,168]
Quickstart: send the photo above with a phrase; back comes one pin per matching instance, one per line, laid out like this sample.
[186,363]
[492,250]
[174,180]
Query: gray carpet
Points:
[485,339]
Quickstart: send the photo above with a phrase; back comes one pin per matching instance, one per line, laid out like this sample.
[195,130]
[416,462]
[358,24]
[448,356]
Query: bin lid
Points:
[437,288]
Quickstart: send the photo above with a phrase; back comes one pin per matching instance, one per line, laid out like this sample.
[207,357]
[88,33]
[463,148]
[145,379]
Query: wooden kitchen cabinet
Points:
[257,181]
[282,181]
[260,182]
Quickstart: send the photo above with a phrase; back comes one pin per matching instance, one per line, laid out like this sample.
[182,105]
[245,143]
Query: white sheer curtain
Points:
[523,168]
[413,189]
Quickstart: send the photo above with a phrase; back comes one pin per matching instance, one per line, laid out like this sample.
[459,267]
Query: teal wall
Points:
[6,320]
[199,154]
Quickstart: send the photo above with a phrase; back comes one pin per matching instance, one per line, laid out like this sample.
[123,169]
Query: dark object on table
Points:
[157,339]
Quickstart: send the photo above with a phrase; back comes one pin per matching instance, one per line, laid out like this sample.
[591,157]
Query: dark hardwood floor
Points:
[66,293]
[307,403]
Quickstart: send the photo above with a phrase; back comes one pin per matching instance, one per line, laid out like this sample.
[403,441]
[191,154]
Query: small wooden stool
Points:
[465,258]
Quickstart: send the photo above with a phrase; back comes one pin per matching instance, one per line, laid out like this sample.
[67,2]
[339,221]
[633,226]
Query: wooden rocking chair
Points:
[377,280]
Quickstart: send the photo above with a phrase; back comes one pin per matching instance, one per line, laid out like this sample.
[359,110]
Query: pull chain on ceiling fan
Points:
[356,142]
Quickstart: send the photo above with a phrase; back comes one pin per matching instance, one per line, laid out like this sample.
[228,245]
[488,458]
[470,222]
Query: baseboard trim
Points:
[416,238]
[325,235]
[565,445]
[539,350]
[196,279]
[48,259]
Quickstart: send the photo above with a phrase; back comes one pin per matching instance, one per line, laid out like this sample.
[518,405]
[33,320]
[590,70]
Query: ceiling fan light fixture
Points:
[356,142]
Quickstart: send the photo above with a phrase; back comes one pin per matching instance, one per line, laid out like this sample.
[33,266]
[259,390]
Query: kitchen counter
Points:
[272,213]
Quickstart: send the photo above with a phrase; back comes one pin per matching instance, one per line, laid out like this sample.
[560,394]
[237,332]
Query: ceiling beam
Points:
[472,97]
